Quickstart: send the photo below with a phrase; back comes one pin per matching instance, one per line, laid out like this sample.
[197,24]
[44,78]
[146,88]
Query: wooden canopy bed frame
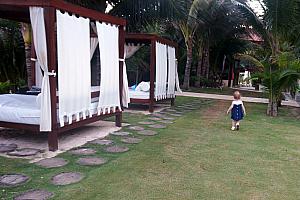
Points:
[19,11]
[150,40]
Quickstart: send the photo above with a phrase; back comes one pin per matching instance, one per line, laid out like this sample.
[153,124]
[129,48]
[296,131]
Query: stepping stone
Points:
[91,161]
[158,115]
[169,118]
[131,140]
[158,126]
[147,133]
[146,123]
[35,195]
[13,180]
[67,178]
[136,128]
[154,118]
[5,148]
[167,122]
[24,152]
[102,142]
[83,151]
[116,149]
[121,133]
[170,110]
[175,115]
[52,163]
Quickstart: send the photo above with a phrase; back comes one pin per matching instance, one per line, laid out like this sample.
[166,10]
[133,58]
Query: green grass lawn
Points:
[228,91]
[197,157]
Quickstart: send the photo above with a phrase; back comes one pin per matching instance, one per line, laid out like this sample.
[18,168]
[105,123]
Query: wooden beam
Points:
[152,75]
[50,19]
[67,7]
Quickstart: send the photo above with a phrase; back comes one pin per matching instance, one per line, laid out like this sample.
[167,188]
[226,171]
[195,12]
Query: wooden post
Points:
[152,75]
[121,63]
[50,18]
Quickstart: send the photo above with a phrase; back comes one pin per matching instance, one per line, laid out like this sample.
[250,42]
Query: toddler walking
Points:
[238,111]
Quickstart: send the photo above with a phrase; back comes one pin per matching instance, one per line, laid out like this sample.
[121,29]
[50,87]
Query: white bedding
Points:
[133,94]
[24,109]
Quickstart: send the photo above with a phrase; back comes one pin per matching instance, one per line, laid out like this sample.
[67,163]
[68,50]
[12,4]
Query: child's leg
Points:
[238,125]
[233,125]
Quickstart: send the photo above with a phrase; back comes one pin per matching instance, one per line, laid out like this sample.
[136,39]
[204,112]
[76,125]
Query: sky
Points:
[254,4]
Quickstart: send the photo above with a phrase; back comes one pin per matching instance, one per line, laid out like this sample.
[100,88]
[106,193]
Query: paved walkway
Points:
[229,98]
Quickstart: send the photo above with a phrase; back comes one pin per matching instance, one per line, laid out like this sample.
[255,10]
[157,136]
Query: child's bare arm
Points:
[244,109]
[229,109]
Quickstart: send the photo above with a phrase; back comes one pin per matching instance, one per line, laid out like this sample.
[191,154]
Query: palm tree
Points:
[276,28]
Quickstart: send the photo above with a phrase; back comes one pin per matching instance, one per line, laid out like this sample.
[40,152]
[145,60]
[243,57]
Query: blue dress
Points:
[237,112]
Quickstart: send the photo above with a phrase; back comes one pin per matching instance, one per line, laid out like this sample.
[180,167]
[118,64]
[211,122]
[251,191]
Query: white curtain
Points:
[171,72]
[161,71]
[40,44]
[74,68]
[94,44]
[38,75]
[176,78]
[125,92]
[108,36]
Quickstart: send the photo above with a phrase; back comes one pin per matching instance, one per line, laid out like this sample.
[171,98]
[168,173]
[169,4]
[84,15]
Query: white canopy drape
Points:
[74,68]
[40,44]
[171,72]
[161,71]
[108,36]
[38,75]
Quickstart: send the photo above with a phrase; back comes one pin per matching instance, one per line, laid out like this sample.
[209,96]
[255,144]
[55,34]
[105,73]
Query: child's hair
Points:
[237,95]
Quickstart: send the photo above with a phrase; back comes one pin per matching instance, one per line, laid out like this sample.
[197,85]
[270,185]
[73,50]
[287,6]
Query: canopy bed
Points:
[163,69]
[65,37]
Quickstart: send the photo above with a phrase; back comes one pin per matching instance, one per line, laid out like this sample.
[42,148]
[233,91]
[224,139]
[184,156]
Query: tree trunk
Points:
[186,82]
[28,65]
[205,64]
[199,70]
[272,110]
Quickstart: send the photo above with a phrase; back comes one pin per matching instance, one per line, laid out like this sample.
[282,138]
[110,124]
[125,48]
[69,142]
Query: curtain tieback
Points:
[52,73]
[121,59]
[33,59]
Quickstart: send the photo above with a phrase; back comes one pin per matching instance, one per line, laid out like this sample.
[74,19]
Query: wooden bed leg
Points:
[53,141]
[172,102]
[151,108]
[119,120]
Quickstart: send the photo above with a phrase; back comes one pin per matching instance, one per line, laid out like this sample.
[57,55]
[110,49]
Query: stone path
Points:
[5,148]
[91,161]
[116,149]
[67,178]
[13,180]
[136,128]
[83,151]
[131,140]
[146,123]
[24,152]
[102,142]
[158,126]
[229,98]
[147,133]
[52,163]
[121,133]
[155,121]
[35,195]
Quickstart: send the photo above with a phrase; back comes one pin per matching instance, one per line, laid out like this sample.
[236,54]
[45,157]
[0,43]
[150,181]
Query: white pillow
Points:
[143,86]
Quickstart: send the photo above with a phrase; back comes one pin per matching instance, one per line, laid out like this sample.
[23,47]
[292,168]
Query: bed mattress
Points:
[24,109]
[133,94]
